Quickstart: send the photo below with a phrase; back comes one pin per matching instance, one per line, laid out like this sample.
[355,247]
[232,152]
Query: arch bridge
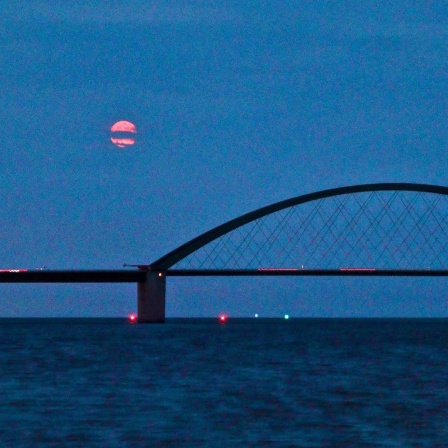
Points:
[387,229]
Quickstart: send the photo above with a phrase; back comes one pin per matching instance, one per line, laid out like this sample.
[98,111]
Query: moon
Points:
[123,133]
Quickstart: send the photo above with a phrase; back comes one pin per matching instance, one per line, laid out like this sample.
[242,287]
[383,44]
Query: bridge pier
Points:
[151,298]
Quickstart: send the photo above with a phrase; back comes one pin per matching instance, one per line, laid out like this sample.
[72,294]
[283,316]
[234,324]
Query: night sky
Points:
[237,104]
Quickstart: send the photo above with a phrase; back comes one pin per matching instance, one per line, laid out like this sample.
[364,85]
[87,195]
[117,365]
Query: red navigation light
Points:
[222,318]
[132,318]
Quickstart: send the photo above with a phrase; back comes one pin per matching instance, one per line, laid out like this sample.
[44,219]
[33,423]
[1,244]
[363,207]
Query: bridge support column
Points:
[151,298]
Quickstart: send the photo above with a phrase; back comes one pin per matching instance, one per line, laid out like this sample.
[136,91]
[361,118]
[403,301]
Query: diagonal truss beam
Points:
[178,254]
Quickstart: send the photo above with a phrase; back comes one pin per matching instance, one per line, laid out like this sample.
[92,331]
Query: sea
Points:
[239,383]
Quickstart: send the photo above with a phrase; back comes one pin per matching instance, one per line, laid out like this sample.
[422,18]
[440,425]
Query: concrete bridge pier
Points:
[151,298]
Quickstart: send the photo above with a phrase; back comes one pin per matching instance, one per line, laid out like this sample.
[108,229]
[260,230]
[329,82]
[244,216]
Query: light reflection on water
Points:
[248,382]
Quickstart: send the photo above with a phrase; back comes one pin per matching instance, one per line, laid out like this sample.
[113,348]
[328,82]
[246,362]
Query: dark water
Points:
[257,382]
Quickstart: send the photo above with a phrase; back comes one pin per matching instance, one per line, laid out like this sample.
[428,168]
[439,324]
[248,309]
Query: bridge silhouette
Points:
[387,229]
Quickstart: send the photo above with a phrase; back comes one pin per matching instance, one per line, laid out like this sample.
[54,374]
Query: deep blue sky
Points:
[237,105]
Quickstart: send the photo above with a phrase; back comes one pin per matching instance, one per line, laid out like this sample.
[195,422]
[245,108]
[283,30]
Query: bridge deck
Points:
[344,272]
[68,276]
[137,276]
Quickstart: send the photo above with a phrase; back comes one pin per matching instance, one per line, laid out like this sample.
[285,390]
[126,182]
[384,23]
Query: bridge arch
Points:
[411,201]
